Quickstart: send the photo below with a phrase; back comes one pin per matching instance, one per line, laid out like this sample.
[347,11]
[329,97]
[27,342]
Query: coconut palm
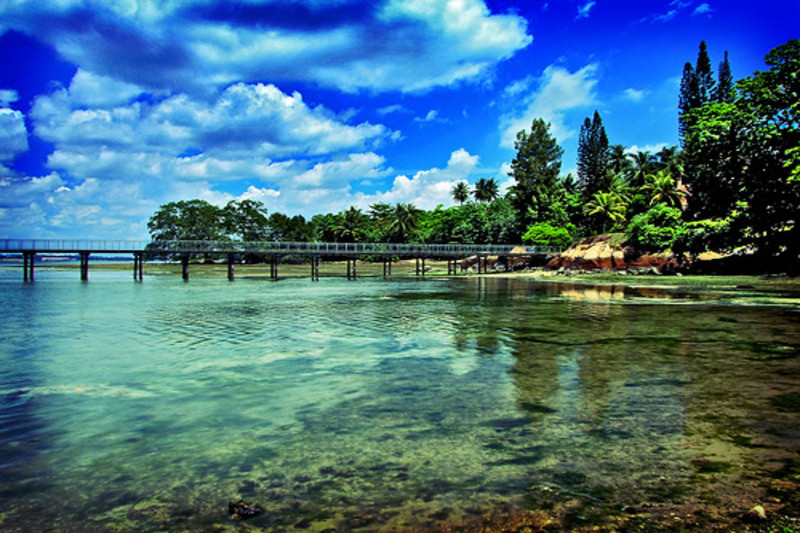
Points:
[618,161]
[663,189]
[486,190]
[643,163]
[405,221]
[460,192]
[350,225]
[606,207]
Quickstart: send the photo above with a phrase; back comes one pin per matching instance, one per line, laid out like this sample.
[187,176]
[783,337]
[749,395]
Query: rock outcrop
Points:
[610,251]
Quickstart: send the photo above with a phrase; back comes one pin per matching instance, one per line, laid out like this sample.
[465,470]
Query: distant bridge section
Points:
[273,250]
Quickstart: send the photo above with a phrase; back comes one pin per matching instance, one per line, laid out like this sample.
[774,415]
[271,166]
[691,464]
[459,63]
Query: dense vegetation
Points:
[734,184]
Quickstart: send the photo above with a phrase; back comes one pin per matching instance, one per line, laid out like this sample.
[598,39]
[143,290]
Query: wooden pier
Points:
[272,252]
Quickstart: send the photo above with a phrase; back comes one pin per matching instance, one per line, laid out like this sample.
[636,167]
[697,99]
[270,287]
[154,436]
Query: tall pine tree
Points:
[724,89]
[538,194]
[593,158]
[697,88]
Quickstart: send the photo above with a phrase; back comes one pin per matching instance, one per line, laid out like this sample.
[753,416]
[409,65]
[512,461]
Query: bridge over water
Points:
[271,251]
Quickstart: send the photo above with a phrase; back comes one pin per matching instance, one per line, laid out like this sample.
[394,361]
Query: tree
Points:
[486,190]
[689,99]
[697,88]
[642,164]
[192,220]
[770,138]
[593,157]
[246,220]
[663,189]
[724,89]
[608,208]
[704,74]
[618,161]
[350,225]
[538,193]
[460,192]
[405,222]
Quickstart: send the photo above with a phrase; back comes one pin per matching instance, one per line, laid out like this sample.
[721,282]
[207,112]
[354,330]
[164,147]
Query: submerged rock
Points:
[243,510]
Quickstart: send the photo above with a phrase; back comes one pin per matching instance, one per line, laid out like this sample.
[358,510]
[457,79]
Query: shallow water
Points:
[373,405]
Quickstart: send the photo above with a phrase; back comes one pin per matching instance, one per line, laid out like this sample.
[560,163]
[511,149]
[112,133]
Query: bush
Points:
[543,234]
[703,235]
[656,229]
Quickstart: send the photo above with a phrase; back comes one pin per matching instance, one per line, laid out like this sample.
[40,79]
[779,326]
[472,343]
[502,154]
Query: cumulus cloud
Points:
[7,97]
[195,45]
[13,134]
[550,97]
[427,188]
[253,119]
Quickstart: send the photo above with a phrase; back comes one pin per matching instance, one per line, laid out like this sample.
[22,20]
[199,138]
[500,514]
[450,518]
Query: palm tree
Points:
[643,163]
[663,189]
[405,221]
[350,225]
[618,161]
[606,207]
[486,190]
[460,192]
[671,160]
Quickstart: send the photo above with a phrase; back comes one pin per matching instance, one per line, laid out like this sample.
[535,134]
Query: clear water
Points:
[370,405]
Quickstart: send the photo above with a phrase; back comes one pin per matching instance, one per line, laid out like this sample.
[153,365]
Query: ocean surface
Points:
[374,405]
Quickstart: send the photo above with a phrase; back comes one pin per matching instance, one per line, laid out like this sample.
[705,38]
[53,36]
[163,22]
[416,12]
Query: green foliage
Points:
[608,208]
[700,236]
[656,229]
[544,234]
[486,190]
[538,194]
[593,157]
[192,220]
[662,189]
[460,192]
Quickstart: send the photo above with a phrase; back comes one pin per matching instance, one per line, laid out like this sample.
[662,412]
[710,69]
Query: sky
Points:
[109,109]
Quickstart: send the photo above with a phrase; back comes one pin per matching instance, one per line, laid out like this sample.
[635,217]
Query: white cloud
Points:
[13,134]
[87,89]
[254,121]
[394,108]
[431,116]
[652,148]
[427,188]
[702,9]
[585,9]
[634,95]
[558,91]
[7,97]
[198,47]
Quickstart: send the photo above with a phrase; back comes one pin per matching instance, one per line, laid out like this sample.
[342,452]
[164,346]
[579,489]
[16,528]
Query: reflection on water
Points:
[375,405]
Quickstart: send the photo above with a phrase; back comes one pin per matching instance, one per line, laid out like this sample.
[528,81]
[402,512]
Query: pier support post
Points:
[84,266]
[315,268]
[416,266]
[351,268]
[138,269]
[27,265]
[423,266]
[185,267]
[230,267]
[273,267]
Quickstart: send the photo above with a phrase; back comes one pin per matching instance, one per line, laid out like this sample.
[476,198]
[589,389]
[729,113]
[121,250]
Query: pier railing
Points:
[266,247]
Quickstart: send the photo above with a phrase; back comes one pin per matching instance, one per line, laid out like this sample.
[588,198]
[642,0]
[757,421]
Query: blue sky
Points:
[111,108]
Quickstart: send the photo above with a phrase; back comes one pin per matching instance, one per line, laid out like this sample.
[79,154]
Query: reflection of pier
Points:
[271,252]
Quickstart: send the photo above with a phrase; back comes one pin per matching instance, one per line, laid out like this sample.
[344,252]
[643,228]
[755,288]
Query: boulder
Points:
[610,251]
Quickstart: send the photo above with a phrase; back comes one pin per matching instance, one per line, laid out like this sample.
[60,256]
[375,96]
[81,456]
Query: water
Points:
[369,405]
